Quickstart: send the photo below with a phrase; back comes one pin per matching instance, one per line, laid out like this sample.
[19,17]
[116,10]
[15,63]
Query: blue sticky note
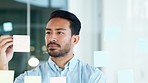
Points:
[112,33]
[142,45]
[100,59]
[126,76]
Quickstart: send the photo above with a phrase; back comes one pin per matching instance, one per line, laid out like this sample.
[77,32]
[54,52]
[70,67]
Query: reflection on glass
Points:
[7,26]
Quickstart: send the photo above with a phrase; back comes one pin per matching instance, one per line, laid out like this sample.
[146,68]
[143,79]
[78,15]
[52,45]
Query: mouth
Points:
[52,46]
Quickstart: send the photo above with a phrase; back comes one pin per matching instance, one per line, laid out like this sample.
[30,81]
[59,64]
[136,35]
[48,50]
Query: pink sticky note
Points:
[58,80]
[21,43]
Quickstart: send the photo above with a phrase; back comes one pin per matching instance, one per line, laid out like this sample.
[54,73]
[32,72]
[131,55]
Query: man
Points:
[62,34]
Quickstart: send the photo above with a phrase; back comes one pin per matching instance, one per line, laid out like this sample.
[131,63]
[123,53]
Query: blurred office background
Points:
[114,34]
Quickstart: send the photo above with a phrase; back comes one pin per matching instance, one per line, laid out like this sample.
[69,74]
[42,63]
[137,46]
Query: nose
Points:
[53,38]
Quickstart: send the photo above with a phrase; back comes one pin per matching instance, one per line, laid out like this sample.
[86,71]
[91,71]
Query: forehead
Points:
[58,23]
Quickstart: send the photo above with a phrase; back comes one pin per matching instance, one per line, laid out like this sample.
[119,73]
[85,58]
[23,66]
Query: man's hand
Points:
[6,51]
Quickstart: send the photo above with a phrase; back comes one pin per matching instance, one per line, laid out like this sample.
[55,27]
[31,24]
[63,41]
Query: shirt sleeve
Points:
[33,72]
[20,79]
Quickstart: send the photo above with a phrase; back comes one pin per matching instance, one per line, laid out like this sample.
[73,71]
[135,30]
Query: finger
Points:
[4,47]
[5,37]
[4,41]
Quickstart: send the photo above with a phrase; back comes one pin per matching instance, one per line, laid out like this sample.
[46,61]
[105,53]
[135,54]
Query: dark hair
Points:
[75,24]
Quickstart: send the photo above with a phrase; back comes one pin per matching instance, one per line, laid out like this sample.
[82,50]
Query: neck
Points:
[61,61]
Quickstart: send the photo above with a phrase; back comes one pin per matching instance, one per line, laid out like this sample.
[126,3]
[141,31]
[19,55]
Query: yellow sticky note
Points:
[32,79]
[6,76]
[58,80]
[21,43]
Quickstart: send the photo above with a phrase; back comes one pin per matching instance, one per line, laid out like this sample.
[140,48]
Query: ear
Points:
[75,39]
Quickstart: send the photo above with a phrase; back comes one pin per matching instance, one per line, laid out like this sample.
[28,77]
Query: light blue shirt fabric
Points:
[75,71]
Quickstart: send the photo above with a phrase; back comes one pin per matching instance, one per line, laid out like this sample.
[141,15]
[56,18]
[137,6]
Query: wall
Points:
[127,42]
[87,11]
[123,30]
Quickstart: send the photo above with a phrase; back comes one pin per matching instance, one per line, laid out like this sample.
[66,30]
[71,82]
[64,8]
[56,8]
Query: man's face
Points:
[58,37]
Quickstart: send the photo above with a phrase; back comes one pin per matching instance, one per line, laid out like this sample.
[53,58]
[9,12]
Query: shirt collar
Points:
[70,65]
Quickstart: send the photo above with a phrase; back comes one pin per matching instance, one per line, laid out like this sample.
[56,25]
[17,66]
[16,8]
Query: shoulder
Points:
[87,67]
[94,74]
[37,70]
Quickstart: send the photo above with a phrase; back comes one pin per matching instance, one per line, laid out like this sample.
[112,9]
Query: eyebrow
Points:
[56,29]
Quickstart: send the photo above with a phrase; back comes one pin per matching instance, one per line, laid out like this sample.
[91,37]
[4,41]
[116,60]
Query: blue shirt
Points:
[75,71]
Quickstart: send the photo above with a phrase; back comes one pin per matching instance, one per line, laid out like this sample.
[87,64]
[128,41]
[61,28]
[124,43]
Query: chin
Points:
[53,54]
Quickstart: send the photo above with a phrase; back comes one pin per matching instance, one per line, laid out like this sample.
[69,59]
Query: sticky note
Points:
[126,76]
[58,80]
[142,45]
[32,79]
[112,33]
[6,76]
[21,43]
[100,59]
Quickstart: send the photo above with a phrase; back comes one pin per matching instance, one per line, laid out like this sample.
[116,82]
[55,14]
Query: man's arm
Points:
[6,51]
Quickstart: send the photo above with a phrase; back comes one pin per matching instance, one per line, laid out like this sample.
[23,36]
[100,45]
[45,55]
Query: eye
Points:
[48,32]
[60,32]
